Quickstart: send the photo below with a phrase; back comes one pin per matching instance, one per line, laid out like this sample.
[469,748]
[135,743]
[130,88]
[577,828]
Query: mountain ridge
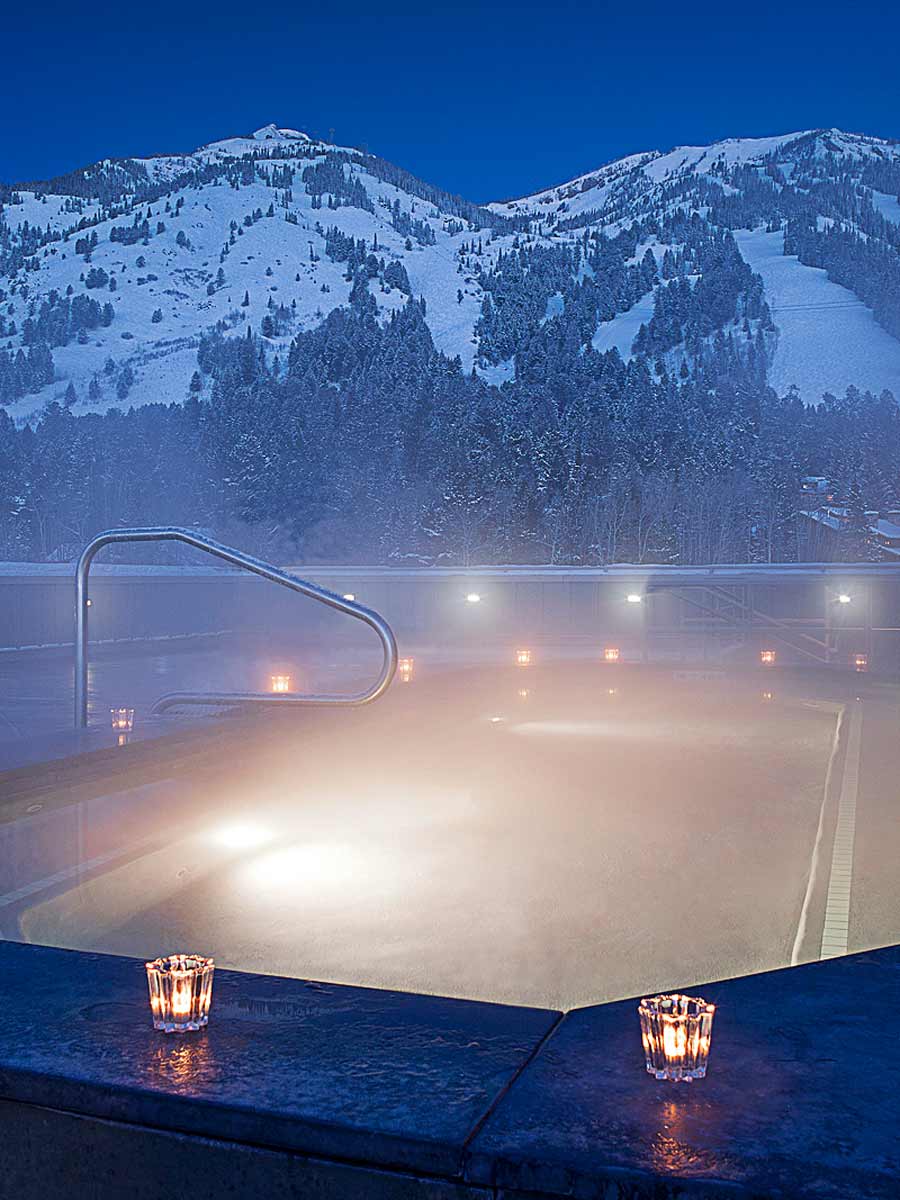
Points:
[152,238]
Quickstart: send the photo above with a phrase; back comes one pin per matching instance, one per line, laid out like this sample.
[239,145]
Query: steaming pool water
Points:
[556,834]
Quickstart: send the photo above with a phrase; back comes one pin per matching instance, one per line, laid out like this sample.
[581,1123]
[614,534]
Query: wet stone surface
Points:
[800,1101]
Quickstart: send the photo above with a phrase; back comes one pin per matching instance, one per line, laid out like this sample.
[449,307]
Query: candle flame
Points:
[182,996]
[674,1039]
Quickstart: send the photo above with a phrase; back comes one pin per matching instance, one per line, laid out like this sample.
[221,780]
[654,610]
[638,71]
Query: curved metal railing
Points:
[248,563]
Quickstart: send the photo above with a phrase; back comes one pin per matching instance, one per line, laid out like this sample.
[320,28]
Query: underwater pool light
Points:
[473,598]
[843,598]
[241,835]
[767,658]
[405,669]
[634,598]
[523,658]
[860,662]
[281,683]
[611,654]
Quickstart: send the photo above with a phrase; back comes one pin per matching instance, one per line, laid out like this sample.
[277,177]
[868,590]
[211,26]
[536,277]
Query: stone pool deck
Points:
[326,1092]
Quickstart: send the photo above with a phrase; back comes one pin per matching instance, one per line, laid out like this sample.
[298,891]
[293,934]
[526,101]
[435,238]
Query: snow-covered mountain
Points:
[110,275]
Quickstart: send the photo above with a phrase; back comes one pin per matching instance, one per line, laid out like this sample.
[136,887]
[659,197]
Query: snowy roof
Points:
[885,528]
[824,516]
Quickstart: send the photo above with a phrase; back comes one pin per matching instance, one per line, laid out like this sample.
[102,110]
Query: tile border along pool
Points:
[310,1089]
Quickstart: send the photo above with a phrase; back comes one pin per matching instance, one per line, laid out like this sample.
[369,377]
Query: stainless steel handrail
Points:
[248,563]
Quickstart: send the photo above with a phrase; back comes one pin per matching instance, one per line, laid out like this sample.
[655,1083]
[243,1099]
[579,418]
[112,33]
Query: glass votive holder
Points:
[180,992]
[122,719]
[676,1031]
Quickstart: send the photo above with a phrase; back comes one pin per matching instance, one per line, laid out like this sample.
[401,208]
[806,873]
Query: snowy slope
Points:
[620,332]
[266,261]
[587,193]
[888,206]
[598,191]
[827,339]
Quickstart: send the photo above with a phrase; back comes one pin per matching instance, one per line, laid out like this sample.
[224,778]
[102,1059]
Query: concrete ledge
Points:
[57,1156]
[330,1092]
[353,1074]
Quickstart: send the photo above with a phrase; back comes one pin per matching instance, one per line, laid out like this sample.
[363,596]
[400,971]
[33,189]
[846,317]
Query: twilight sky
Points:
[490,101]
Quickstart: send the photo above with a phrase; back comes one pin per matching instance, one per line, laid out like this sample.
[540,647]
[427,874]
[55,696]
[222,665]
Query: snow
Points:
[595,190]
[888,206]
[555,307]
[699,159]
[44,211]
[620,332]
[827,339]
[583,194]
[270,133]
[496,374]
[888,529]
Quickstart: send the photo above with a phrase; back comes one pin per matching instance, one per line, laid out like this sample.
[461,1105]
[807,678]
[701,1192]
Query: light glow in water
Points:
[473,598]
[305,867]
[242,835]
